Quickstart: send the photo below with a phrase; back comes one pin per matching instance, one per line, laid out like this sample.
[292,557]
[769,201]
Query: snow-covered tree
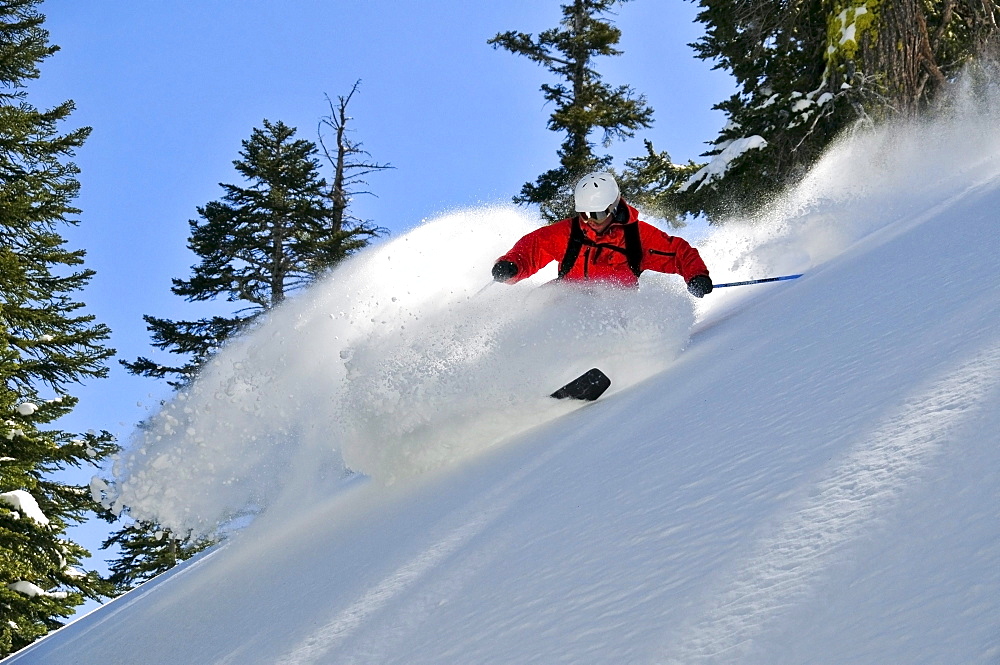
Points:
[809,69]
[583,102]
[47,343]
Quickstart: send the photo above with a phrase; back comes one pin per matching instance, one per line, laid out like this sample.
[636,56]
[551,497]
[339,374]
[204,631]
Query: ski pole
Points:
[492,282]
[758,281]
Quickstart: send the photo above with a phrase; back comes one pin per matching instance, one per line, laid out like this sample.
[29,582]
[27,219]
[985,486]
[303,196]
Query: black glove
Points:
[700,285]
[504,271]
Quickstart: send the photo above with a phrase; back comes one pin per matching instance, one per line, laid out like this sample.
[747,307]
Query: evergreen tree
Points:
[583,102]
[261,242]
[146,551]
[652,183]
[46,343]
[811,69]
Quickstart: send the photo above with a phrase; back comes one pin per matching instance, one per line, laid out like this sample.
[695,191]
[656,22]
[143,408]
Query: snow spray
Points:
[396,363]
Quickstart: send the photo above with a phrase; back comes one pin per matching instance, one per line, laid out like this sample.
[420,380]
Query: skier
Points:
[606,242]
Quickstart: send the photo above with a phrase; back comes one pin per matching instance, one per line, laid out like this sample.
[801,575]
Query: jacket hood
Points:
[633,214]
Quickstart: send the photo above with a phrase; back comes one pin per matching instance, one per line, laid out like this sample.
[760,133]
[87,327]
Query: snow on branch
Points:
[717,168]
[25,504]
[33,590]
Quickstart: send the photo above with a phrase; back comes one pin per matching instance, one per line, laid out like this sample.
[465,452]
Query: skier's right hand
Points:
[504,271]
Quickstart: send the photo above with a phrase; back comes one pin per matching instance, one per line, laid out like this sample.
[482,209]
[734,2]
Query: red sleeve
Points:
[665,253]
[538,249]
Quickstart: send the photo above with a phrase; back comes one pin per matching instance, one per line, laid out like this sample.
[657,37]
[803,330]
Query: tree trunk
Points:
[902,55]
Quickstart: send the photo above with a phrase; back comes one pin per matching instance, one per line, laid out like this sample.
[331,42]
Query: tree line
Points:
[805,72]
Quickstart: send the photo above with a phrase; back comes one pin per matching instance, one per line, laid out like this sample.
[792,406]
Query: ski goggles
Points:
[597,216]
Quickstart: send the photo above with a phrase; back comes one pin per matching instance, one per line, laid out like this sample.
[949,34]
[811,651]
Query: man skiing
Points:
[606,242]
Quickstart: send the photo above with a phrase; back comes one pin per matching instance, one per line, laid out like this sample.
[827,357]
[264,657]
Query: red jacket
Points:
[602,257]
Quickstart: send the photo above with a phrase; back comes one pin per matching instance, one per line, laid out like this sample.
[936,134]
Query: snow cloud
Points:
[405,359]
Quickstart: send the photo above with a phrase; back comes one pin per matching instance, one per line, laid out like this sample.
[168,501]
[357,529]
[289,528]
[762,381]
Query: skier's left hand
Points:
[700,285]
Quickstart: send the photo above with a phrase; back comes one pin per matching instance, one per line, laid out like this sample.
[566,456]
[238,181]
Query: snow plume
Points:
[399,362]
[867,181]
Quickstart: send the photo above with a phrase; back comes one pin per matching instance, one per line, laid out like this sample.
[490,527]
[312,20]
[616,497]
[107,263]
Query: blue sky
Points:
[171,89]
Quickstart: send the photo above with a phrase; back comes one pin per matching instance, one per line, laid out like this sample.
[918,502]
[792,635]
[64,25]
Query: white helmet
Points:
[596,192]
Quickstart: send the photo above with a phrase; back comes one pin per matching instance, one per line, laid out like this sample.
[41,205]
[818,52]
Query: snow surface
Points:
[800,472]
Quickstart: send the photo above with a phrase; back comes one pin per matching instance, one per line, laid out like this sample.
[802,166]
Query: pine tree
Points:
[147,550]
[809,70]
[46,343]
[652,183]
[261,242]
[583,102]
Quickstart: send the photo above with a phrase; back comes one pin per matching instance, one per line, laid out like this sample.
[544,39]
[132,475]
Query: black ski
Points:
[588,386]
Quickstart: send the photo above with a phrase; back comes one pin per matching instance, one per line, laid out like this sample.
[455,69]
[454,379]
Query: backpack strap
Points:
[576,239]
[633,247]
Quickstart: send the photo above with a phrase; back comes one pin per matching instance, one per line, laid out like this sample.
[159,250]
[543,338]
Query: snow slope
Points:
[802,472]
